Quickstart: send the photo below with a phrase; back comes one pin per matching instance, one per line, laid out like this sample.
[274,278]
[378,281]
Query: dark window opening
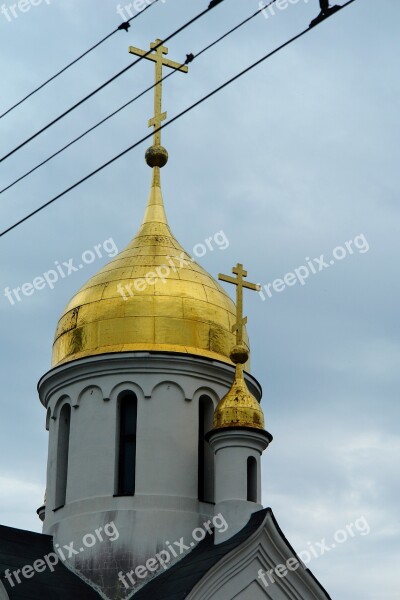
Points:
[251,479]
[127,444]
[62,455]
[205,455]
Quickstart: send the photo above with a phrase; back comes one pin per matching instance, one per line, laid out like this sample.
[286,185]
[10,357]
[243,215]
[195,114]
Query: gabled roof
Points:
[20,548]
[180,579]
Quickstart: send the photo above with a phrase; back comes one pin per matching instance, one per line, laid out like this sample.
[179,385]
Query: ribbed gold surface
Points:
[188,312]
[238,408]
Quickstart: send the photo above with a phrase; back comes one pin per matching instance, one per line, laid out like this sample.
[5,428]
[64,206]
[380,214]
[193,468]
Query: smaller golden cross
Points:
[240,284]
[158,58]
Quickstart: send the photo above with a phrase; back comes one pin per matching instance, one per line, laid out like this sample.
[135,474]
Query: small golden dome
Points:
[238,408]
[170,304]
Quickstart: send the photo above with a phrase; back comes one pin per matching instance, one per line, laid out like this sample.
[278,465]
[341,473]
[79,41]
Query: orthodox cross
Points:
[240,284]
[160,61]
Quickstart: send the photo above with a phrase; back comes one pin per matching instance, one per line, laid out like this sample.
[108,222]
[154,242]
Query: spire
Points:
[239,408]
[155,211]
[151,296]
[157,155]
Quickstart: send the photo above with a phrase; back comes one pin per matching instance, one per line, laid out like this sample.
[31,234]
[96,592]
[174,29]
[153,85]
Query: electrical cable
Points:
[178,116]
[65,113]
[190,58]
[123,27]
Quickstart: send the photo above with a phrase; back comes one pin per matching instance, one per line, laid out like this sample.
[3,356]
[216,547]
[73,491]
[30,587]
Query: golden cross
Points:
[240,283]
[158,58]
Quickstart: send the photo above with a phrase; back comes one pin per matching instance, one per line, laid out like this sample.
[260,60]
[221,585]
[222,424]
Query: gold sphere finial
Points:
[156,156]
[239,354]
[238,408]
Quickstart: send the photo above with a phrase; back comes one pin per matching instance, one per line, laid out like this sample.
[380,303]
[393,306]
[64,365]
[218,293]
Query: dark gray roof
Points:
[19,548]
[180,579]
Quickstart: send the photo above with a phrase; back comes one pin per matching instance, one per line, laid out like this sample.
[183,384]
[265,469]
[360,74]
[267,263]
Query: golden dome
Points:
[151,297]
[239,408]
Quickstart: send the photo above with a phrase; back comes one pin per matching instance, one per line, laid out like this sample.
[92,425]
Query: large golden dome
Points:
[184,311]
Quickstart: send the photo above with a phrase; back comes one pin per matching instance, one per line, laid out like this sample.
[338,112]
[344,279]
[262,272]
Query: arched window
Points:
[62,455]
[127,444]
[206,455]
[252,479]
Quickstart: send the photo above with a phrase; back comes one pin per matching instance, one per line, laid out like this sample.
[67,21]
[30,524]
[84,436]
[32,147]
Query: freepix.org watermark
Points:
[61,271]
[131,8]
[270,9]
[61,553]
[175,550]
[218,240]
[12,11]
[313,266]
[315,550]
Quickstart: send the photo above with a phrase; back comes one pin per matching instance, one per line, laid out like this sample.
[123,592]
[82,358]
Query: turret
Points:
[238,437]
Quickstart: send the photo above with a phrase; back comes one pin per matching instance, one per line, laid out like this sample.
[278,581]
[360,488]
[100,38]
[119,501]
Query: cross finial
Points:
[240,284]
[157,156]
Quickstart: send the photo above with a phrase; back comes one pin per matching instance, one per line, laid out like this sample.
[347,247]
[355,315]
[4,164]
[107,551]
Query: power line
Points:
[123,27]
[178,116]
[192,57]
[172,35]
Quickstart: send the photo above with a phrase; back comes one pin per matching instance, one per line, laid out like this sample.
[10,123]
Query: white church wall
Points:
[166,448]
[232,449]
[254,591]
[237,575]
[92,447]
[165,507]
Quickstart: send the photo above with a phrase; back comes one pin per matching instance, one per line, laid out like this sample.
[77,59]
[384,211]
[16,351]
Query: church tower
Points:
[155,435]
[141,360]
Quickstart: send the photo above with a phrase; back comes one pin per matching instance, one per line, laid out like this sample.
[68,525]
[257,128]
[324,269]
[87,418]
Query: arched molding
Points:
[126,386]
[168,382]
[64,399]
[206,391]
[83,392]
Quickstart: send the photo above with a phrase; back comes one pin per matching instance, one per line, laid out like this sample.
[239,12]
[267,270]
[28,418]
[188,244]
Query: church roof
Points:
[180,579]
[152,296]
[20,548]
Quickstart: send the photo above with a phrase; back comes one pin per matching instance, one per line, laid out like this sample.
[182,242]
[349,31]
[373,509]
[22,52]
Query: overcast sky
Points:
[292,161]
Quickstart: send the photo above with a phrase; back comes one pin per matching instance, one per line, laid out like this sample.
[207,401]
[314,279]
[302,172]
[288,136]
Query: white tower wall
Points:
[165,506]
[232,449]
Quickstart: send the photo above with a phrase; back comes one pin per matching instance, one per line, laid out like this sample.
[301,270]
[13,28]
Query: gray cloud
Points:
[292,160]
